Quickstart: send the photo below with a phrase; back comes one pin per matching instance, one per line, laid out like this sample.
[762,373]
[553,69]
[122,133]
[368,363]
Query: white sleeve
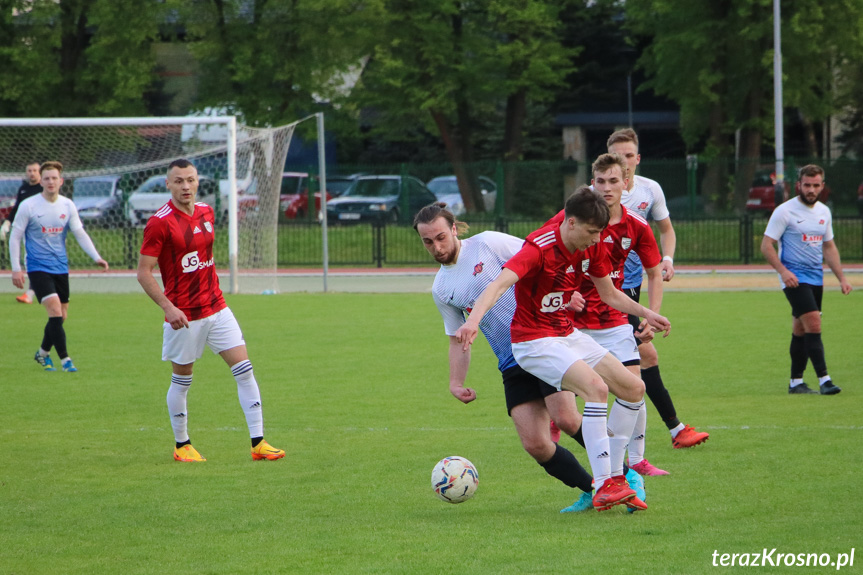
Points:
[453,318]
[75,222]
[15,246]
[777,224]
[659,211]
[22,218]
[86,243]
[829,233]
[504,245]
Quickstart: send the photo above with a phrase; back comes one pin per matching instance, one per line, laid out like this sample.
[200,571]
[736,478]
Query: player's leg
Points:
[681,435]
[226,339]
[182,347]
[46,294]
[811,322]
[62,284]
[806,343]
[625,409]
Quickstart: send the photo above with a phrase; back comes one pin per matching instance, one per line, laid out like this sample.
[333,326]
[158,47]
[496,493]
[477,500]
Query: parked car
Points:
[8,193]
[377,198]
[762,194]
[99,199]
[445,188]
[294,196]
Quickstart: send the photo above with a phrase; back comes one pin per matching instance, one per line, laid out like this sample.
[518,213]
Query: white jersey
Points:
[647,200]
[457,287]
[44,226]
[801,231]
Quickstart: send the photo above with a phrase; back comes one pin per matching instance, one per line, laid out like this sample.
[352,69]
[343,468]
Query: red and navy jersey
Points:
[183,245]
[548,274]
[631,233]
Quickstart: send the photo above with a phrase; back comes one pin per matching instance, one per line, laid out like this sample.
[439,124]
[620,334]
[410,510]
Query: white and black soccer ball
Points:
[454,479]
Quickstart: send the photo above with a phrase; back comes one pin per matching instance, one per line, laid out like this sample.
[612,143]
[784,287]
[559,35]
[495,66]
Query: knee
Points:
[597,391]
[568,422]
[632,390]
[540,448]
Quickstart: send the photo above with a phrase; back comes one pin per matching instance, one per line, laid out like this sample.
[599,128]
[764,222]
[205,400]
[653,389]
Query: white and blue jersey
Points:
[801,231]
[44,226]
[457,287]
[647,200]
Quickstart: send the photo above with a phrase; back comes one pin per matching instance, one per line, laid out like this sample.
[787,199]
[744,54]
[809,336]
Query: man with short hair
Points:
[545,273]
[467,267]
[803,228]
[30,186]
[43,221]
[179,238]
[644,197]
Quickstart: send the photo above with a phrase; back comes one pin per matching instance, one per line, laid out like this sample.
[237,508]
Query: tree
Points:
[76,57]
[715,60]
[459,63]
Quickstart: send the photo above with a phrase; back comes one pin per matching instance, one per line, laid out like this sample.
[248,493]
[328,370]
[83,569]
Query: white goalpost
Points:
[114,171]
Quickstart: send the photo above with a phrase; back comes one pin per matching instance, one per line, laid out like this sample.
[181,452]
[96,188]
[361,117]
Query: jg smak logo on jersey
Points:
[191,263]
[552,302]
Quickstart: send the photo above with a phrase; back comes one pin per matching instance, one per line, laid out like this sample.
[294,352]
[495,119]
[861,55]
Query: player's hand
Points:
[644,332]
[176,318]
[667,268]
[576,302]
[659,322]
[461,393]
[18,279]
[4,229]
[789,279]
[102,264]
[466,334]
[846,287]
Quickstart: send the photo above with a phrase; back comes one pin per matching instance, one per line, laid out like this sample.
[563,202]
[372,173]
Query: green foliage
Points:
[77,57]
[93,488]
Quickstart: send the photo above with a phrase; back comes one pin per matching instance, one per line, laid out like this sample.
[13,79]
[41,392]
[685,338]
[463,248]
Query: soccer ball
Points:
[454,479]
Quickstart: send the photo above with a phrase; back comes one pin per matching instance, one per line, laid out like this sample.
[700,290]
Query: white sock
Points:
[31,294]
[674,431]
[177,406]
[823,379]
[636,444]
[795,382]
[250,397]
[44,353]
[593,429]
[621,423]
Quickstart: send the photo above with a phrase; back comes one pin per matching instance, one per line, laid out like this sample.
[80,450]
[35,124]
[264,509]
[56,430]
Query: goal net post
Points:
[115,169]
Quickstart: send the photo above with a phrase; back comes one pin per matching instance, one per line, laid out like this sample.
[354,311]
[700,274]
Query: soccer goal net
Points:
[115,170]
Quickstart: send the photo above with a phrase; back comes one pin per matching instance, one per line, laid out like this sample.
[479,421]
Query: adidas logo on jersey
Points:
[570,270]
[608,240]
[197,230]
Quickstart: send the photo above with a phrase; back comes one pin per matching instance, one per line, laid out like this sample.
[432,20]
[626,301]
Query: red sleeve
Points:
[526,261]
[646,248]
[153,238]
[600,264]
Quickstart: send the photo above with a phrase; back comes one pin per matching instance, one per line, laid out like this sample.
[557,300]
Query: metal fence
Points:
[730,240]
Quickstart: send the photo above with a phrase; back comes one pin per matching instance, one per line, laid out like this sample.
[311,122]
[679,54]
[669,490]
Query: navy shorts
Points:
[521,387]
[44,284]
[804,298]
[634,294]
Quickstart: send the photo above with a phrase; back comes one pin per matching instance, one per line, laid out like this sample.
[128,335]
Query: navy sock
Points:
[799,358]
[564,466]
[57,335]
[659,396]
[814,349]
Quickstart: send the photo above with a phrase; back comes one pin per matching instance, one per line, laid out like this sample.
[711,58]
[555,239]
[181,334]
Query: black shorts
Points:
[44,284]
[634,294]
[804,298]
[520,387]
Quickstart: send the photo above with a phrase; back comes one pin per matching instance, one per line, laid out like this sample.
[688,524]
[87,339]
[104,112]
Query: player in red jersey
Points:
[179,237]
[546,273]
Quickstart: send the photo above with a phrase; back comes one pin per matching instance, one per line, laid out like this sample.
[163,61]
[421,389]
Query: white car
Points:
[445,189]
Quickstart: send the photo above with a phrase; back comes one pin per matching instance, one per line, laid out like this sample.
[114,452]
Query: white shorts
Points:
[219,331]
[548,358]
[618,340]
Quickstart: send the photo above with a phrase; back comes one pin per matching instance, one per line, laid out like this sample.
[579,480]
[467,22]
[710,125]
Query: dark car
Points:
[762,194]
[99,199]
[380,198]
[294,195]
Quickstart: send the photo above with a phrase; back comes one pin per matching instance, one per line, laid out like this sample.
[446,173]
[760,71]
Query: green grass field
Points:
[355,389]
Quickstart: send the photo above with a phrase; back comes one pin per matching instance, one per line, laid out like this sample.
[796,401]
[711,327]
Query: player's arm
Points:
[615,298]
[768,248]
[459,362]
[468,332]
[668,242]
[654,294]
[173,315]
[831,256]
[86,244]
[15,256]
